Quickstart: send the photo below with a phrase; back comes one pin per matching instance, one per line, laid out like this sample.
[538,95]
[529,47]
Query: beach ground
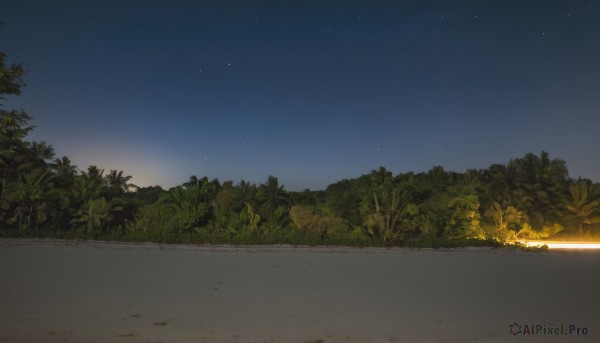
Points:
[69,291]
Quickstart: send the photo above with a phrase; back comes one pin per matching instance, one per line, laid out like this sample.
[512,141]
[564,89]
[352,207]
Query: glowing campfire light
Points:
[562,245]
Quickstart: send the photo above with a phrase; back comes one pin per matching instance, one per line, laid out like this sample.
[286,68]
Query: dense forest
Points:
[45,196]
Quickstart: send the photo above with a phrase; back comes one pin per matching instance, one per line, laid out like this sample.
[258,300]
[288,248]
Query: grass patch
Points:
[247,237]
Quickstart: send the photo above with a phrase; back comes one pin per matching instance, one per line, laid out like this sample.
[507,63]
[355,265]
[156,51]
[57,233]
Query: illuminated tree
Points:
[508,221]
[306,220]
[248,217]
[464,217]
[390,212]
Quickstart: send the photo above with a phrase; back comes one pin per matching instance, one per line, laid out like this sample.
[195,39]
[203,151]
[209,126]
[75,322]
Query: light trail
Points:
[563,245]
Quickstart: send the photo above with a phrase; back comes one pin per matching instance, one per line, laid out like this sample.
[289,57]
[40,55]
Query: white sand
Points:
[59,291]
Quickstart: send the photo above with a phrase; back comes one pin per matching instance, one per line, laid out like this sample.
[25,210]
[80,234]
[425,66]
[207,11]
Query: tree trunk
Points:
[90,223]
[29,217]
[3,183]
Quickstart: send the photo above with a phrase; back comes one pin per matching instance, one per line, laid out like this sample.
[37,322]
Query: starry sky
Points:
[309,91]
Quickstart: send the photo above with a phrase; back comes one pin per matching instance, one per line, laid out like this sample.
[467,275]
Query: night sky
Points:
[309,91]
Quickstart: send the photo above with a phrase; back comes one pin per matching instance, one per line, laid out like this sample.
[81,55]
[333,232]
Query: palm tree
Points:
[381,184]
[501,183]
[42,150]
[205,189]
[62,167]
[380,178]
[194,181]
[183,207]
[464,218]
[438,178]
[94,213]
[117,184]
[583,203]
[14,126]
[41,154]
[542,180]
[11,76]
[64,172]
[508,221]
[224,199]
[30,192]
[60,202]
[89,185]
[391,208]
[271,195]
[248,215]
[85,188]
[243,193]
[94,174]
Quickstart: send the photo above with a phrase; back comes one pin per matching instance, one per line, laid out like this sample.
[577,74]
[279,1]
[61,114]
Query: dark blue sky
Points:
[308,91]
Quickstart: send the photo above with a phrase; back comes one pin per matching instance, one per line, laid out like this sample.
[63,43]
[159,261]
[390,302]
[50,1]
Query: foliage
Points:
[314,224]
[508,221]
[583,203]
[95,213]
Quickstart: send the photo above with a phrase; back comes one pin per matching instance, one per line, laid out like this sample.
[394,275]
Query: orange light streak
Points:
[562,245]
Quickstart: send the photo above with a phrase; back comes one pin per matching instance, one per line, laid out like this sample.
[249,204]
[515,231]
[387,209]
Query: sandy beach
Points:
[69,291]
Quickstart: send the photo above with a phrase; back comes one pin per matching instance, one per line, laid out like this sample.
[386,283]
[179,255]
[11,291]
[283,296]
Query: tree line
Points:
[45,196]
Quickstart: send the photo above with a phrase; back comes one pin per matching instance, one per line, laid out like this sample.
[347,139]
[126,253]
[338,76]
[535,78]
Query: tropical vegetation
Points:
[42,195]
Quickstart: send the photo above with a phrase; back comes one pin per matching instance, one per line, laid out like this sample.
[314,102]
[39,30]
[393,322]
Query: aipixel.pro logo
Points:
[517,329]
